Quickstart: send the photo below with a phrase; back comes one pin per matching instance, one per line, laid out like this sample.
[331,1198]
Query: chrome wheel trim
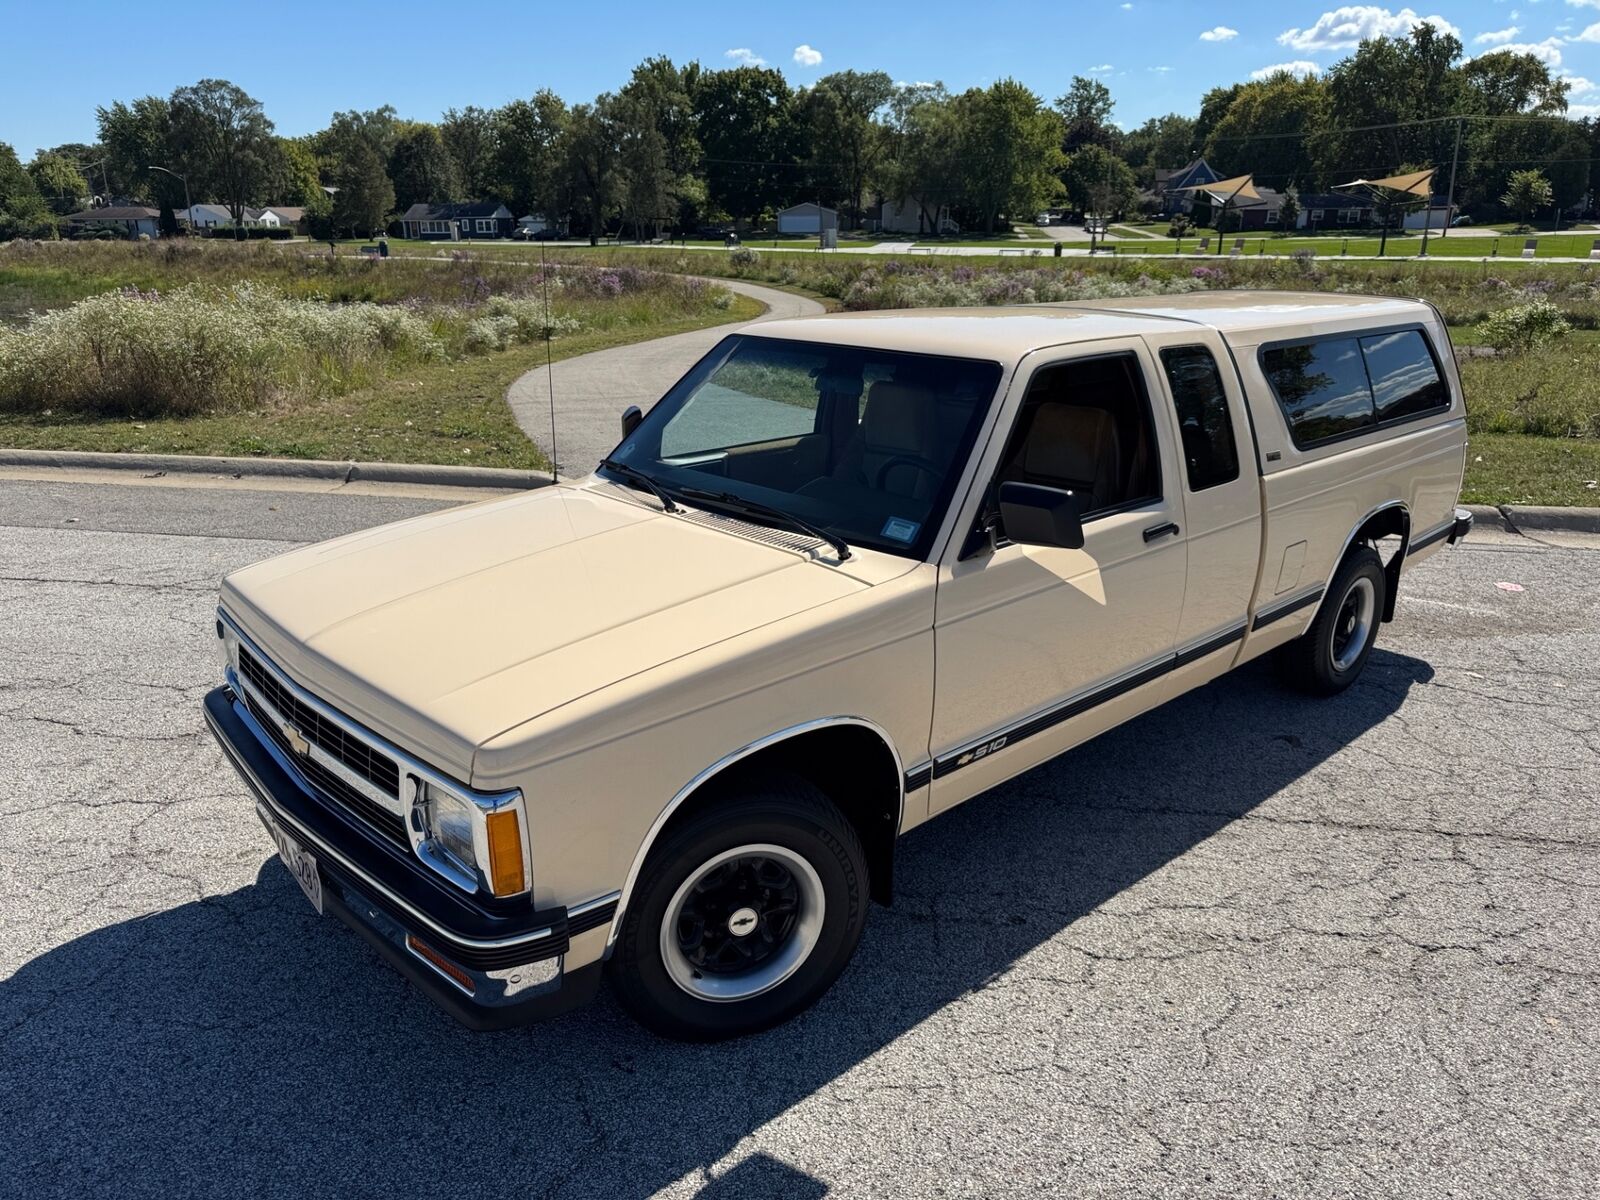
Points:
[774,970]
[1352,626]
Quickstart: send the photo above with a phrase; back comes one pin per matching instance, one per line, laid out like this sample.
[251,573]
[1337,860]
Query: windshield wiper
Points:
[742,506]
[643,480]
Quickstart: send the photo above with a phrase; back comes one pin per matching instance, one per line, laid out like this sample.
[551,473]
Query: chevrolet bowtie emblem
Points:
[296,739]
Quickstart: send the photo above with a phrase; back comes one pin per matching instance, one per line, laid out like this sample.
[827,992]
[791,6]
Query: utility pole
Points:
[1450,196]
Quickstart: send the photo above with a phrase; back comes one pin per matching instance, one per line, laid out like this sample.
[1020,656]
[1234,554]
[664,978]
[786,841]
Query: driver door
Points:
[1039,647]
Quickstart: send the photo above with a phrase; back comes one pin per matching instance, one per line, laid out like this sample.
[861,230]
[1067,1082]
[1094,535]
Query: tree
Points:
[1526,192]
[419,166]
[135,137]
[590,146]
[1289,210]
[357,146]
[921,158]
[1086,115]
[528,166]
[840,117]
[22,209]
[298,182]
[1010,151]
[59,182]
[1161,143]
[659,150]
[1268,130]
[1098,181]
[745,123]
[224,134]
[469,136]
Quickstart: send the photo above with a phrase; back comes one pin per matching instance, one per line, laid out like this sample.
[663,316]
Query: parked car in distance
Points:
[667,722]
[1460,221]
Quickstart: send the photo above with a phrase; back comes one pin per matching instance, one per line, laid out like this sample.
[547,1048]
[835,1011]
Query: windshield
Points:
[863,443]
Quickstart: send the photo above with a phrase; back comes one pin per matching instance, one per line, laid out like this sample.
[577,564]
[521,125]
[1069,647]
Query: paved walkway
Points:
[592,390]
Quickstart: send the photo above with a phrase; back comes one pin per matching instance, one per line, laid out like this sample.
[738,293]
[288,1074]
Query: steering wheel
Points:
[925,465]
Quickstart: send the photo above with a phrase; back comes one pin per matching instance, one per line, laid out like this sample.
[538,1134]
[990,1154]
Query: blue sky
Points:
[1156,55]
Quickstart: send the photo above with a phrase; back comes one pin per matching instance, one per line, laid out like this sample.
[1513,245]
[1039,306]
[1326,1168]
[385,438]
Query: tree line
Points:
[678,147]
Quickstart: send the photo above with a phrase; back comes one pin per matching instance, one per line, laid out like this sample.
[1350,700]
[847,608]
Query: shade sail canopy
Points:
[1416,183]
[1239,185]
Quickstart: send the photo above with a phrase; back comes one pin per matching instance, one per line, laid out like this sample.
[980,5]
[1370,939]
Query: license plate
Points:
[302,865]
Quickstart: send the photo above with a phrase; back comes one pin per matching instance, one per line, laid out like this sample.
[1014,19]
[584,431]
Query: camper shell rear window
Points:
[1343,385]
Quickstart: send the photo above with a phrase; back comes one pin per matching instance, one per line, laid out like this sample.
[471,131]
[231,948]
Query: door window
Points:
[1209,452]
[1085,427]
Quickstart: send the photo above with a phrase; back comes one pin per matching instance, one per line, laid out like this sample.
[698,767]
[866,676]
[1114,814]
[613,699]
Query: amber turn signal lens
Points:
[440,963]
[505,852]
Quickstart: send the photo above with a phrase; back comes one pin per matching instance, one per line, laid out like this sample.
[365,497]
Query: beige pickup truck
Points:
[667,723]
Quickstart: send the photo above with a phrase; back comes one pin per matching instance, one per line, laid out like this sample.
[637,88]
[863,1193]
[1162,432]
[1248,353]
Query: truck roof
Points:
[1007,332]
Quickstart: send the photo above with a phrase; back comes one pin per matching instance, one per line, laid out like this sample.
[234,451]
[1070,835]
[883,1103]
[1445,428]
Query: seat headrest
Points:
[900,419]
[1067,441]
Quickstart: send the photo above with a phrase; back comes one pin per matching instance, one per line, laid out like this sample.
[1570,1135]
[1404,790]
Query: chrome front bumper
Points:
[488,965]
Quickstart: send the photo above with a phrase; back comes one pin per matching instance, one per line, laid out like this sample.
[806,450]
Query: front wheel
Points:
[743,916]
[1330,655]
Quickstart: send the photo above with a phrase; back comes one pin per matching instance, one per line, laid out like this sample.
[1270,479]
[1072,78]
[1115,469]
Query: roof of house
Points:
[807,206]
[131,213]
[282,212]
[450,212]
[1198,171]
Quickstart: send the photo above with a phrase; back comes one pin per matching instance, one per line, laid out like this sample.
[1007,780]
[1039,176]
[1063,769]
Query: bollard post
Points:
[1345,249]
[1058,250]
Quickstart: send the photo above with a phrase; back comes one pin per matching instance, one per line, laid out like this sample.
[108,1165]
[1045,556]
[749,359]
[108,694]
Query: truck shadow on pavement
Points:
[239,1045]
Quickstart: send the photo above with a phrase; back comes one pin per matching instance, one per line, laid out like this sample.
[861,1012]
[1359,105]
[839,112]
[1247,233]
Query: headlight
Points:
[477,841]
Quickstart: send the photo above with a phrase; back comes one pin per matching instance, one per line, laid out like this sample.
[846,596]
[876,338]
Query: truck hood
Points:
[445,630]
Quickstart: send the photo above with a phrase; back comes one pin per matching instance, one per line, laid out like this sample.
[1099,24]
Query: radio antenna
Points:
[549,365]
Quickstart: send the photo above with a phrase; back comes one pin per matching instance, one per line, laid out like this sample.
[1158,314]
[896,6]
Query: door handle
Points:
[1160,531]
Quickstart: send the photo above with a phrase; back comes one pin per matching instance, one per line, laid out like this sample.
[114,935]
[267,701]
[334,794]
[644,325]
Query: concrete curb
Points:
[1513,518]
[429,474]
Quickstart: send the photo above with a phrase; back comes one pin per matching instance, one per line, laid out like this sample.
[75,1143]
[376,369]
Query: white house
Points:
[807,218]
[132,220]
[1435,216]
[276,217]
[204,216]
[908,216]
[532,223]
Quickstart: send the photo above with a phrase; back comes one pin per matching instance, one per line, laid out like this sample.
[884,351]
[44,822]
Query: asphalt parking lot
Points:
[1249,944]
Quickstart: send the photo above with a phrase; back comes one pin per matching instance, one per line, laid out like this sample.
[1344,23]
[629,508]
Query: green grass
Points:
[1513,469]
[452,412]
[1363,245]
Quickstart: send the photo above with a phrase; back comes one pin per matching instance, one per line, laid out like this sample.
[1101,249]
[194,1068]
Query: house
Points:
[132,220]
[204,216]
[1166,191]
[1334,210]
[533,223]
[1438,214]
[457,222]
[909,216]
[277,217]
[808,218]
[1264,212]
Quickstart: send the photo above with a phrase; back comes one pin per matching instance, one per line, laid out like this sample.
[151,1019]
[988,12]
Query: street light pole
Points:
[188,208]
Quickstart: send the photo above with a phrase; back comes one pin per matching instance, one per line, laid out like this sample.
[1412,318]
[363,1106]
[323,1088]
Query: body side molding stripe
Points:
[1437,534]
[1278,612]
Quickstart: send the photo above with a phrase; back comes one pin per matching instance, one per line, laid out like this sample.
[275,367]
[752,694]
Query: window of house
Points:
[1405,379]
[1085,427]
[485,225]
[1209,453]
[1314,215]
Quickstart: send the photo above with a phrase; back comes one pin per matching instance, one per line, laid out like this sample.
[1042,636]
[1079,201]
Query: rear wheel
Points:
[744,915]
[1330,655]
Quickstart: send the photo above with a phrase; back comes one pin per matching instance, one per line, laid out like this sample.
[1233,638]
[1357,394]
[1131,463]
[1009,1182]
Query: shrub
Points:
[1525,326]
[743,256]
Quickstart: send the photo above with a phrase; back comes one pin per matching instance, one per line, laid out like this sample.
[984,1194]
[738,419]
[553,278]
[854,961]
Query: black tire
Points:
[784,812]
[1324,660]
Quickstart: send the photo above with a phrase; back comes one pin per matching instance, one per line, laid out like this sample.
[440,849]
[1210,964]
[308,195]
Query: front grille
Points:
[378,769]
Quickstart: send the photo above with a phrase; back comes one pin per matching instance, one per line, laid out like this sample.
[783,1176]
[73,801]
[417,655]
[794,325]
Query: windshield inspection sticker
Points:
[899,529]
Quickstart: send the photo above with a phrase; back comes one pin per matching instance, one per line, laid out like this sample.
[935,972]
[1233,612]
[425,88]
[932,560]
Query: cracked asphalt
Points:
[1247,945]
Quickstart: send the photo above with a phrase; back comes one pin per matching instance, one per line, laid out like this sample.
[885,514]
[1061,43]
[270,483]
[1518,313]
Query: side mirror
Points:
[1042,516]
[631,416]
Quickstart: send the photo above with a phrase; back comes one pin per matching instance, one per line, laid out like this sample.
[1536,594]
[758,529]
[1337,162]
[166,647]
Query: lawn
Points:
[1511,469]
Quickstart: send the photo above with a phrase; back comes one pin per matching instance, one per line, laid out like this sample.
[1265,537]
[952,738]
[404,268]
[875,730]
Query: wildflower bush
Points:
[1525,326]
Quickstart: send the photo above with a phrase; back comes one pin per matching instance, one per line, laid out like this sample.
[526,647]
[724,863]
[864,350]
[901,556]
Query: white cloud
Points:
[1220,34]
[1160,70]
[1495,36]
[1127,8]
[745,57]
[1548,51]
[806,56]
[1298,67]
[1343,28]
[1579,86]
[1100,70]
[1591,34]
[1578,111]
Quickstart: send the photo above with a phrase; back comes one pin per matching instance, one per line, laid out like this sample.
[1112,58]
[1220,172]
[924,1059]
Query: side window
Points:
[1209,452]
[1405,378]
[1322,387]
[1085,427]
